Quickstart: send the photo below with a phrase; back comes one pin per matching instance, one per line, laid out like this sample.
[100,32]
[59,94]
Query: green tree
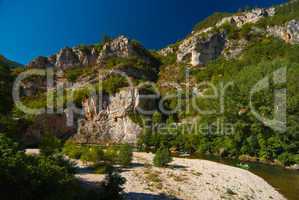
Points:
[50,145]
[125,155]
[162,157]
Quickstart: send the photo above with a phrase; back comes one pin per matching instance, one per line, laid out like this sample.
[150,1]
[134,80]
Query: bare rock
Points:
[200,49]
[67,58]
[110,122]
[233,48]
[40,62]
[166,51]
[288,32]
[122,47]
[243,18]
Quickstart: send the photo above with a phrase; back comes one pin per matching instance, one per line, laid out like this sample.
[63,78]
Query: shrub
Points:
[34,177]
[162,157]
[125,155]
[102,168]
[113,186]
[286,159]
[50,145]
[72,150]
[92,154]
[111,154]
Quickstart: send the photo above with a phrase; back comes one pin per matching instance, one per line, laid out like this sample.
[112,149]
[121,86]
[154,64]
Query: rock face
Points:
[233,48]
[288,32]
[110,122]
[206,45]
[166,51]
[201,49]
[252,16]
[67,57]
[120,47]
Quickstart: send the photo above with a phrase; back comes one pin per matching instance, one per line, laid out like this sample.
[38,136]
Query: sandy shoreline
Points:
[189,179]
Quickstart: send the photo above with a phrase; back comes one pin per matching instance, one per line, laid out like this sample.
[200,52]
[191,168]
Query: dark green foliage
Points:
[72,150]
[5,89]
[50,145]
[93,154]
[26,177]
[125,155]
[136,118]
[74,73]
[113,186]
[162,157]
[284,13]
[251,137]
[102,168]
[113,84]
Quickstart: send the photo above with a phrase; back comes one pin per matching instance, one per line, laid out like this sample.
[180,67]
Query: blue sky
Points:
[29,28]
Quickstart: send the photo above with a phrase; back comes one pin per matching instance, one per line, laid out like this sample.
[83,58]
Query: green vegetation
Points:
[101,157]
[284,13]
[162,157]
[73,74]
[5,89]
[26,177]
[210,21]
[92,154]
[48,176]
[251,137]
[125,155]
[50,145]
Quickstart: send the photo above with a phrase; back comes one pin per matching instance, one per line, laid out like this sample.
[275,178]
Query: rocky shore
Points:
[187,179]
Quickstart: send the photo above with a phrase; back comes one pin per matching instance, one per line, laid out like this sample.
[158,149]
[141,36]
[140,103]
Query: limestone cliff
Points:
[90,55]
[109,123]
[208,44]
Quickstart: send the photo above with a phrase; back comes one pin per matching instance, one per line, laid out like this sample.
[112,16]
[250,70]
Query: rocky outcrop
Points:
[198,50]
[243,18]
[288,32]
[206,45]
[233,48]
[166,51]
[122,47]
[109,123]
[66,58]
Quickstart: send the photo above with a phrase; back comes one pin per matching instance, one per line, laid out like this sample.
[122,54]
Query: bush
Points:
[92,154]
[72,150]
[111,154]
[102,168]
[50,145]
[162,157]
[34,177]
[286,159]
[125,155]
[113,186]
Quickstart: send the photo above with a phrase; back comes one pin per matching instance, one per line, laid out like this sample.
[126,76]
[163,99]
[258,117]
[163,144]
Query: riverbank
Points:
[187,179]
